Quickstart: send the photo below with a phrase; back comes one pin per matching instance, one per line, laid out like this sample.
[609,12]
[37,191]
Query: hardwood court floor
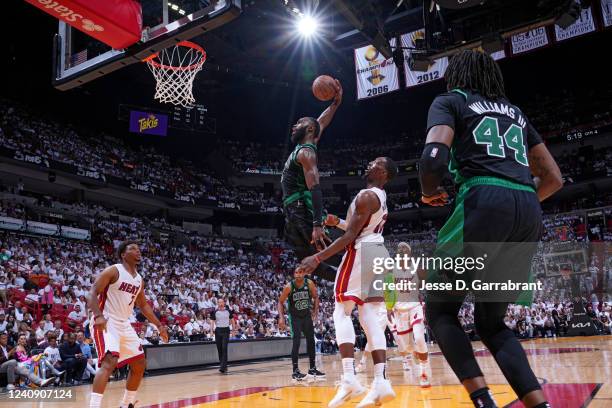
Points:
[576,372]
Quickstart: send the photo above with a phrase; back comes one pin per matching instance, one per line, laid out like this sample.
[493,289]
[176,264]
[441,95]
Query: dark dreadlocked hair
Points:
[475,71]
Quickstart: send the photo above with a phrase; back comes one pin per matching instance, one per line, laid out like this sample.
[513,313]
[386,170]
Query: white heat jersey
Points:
[407,277]
[372,230]
[117,300]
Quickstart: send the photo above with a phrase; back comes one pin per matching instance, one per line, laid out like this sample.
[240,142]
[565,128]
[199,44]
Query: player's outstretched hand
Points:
[309,264]
[332,220]
[339,92]
[100,323]
[438,199]
[163,333]
[319,238]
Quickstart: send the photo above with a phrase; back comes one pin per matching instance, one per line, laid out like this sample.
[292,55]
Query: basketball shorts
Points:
[498,221]
[120,340]
[356,279]
[407,315]
[298,234]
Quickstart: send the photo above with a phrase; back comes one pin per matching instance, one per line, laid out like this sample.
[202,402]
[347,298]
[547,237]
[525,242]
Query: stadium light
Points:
[307,26]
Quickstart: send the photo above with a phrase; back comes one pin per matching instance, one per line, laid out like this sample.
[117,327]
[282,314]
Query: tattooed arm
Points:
[544,168]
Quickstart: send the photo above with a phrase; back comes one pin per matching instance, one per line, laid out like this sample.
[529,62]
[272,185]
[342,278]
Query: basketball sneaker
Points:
[298,376]
[347,389]
[406,363]
[380,392]
[316,374]
[46,382]
[424,375]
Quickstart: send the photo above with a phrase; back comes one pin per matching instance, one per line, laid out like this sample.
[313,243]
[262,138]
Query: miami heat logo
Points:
[129,288]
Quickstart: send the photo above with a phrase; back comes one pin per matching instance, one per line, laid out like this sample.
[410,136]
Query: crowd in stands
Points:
[565,109]
[23,132]
[44,281]
[544,318]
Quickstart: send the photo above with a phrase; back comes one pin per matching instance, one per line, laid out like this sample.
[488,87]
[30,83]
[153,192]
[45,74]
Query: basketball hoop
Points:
[174,70]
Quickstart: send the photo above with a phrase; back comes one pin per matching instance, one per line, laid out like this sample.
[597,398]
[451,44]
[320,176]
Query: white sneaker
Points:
[406,363]
[347,390]
[10,387]
[380,392]
[424,375]
[46,382]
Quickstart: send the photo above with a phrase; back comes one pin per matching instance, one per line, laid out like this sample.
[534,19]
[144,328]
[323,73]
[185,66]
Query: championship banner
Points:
[13,224]
[583,25]
[375,75]
[606,12]
[75,233]
[436,69]
[529,40]
[42,228]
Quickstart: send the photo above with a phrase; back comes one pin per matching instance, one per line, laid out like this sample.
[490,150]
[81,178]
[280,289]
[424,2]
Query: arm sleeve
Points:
[443,111]
[317,205]
[432,167]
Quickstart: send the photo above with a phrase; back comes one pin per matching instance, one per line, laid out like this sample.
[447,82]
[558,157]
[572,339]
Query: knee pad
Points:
[418,331]
[345,333]
[369,319]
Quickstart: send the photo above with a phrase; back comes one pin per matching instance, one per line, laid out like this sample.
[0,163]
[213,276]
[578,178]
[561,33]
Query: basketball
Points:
[323,87]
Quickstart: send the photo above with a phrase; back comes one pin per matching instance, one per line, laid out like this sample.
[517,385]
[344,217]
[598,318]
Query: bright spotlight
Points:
[307,26]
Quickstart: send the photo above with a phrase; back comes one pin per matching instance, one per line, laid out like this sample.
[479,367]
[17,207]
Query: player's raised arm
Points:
[107,277]
[328,114]
[308,159]
[281,306]
[147,311]
[366,204]
[543,166]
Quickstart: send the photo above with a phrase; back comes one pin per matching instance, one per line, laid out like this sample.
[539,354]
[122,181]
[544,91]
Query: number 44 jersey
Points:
[492,137]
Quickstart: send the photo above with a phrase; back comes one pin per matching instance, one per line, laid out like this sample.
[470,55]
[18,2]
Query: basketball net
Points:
[174,70]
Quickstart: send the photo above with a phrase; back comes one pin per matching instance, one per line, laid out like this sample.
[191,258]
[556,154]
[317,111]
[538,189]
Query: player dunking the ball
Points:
[302,195]
[355,284]
[112,299]
[493,152]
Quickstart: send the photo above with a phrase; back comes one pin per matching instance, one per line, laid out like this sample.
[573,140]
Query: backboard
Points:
[79,58]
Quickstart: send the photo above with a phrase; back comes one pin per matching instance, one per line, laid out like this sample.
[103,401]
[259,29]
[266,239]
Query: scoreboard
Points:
[194,119]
